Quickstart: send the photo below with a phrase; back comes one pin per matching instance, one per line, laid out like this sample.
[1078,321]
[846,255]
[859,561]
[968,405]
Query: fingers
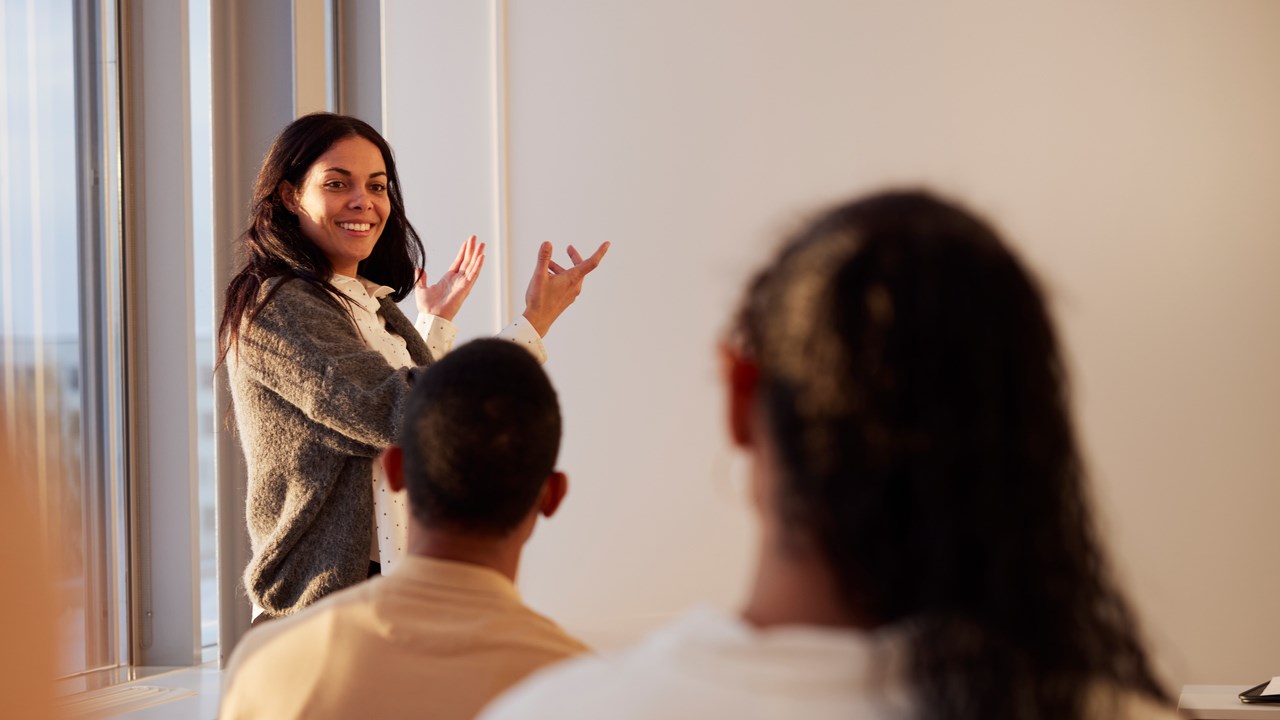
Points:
[546,265]
[544,259]
[475,261]
[585,266]
[474,272]
[463,253]
[598,255]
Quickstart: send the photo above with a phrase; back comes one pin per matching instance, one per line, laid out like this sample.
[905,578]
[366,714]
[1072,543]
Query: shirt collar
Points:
[375,290]
[454,575]
[365,292]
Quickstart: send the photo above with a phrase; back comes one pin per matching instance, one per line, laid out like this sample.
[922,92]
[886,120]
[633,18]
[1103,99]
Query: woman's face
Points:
[343,203]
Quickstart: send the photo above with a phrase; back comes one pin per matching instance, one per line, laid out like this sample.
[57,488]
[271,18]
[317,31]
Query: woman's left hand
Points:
[445,297]
[553,288]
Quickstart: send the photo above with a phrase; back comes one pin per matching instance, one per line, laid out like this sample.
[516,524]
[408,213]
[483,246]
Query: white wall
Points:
[439,120]
[1130,150]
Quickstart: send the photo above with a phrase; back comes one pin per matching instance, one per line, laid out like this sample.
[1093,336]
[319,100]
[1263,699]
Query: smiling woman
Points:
[342,203]
[320,358]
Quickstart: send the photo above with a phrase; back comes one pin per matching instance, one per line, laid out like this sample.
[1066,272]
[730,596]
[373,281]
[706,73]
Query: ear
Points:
[393,463]
[553,492]
[288,195]
[741,377]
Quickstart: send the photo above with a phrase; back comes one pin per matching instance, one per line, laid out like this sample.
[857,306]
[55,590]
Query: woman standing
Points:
[320,358]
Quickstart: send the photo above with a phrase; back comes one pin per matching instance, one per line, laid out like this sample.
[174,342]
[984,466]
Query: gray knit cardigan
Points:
[314,407]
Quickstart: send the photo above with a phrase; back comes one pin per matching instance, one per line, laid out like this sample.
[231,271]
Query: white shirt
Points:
[390,510]
[711,665]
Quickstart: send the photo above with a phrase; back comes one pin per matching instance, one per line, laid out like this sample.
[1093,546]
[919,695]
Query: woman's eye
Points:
[335,184]
[378,187]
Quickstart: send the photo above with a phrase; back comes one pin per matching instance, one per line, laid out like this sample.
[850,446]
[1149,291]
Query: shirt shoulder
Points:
[273,633]
[631,683]
[571,689]
[708,664]
[543,631]
[288,652]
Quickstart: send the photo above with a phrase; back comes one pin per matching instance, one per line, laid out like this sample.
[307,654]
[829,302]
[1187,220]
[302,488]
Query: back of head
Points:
[480,436]
[911,382]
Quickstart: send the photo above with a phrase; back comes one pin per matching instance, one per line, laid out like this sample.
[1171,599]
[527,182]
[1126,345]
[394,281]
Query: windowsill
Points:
[144,693]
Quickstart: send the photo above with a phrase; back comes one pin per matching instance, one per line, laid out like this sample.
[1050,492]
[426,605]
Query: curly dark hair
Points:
[274,244]
[912,383]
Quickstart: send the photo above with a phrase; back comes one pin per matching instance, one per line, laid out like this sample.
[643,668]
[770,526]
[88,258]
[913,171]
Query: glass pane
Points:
[202,236]
[40,298]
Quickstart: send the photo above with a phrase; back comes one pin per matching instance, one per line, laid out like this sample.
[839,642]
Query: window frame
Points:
[102,356]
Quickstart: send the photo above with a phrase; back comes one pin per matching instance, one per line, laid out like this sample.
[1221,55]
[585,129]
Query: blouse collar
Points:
[365,292]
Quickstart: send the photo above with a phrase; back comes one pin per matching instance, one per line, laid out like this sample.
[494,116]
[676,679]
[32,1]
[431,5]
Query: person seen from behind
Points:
[446,631]
[926,550]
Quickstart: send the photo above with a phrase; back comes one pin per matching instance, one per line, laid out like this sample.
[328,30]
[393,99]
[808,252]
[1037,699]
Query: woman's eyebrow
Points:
[346,172]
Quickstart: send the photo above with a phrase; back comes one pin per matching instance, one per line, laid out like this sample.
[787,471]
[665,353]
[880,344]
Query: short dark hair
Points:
[274,245]
[480,437]
[911,379]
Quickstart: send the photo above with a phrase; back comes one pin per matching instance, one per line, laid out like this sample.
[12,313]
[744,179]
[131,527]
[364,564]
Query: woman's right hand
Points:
[446,296]
[553,288]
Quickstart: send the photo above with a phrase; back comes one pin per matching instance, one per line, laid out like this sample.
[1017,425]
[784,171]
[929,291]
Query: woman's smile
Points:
[343,203]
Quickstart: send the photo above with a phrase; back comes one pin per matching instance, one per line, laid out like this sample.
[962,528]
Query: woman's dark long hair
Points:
[274,245]
[912,382]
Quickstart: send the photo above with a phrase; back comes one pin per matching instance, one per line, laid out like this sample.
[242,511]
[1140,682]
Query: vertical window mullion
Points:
[165,607]
[99,308]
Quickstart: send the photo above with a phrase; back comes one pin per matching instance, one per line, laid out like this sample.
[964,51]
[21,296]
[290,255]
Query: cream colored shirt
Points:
[435,639]
[711,665]
[390,511]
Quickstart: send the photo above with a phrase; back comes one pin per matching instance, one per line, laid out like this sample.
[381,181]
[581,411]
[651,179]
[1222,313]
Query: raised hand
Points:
[446,296]
[553,288]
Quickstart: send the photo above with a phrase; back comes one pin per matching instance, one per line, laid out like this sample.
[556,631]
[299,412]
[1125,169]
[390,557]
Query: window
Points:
[108,134]
[59,240]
